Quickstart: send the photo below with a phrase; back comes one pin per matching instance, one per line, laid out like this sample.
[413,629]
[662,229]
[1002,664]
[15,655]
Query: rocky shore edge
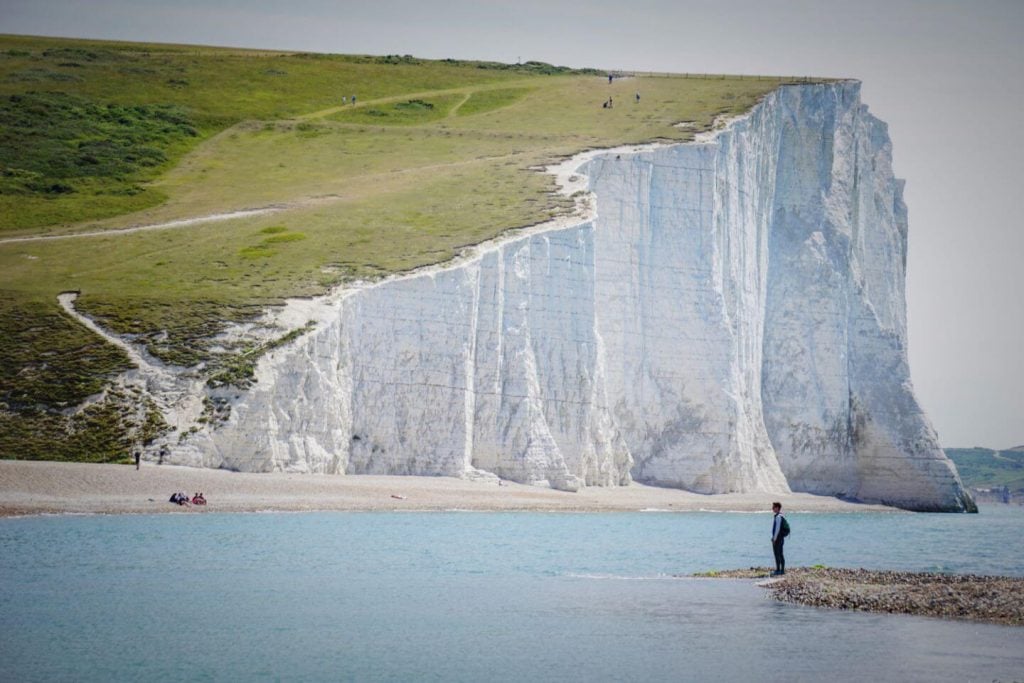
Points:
[990,599]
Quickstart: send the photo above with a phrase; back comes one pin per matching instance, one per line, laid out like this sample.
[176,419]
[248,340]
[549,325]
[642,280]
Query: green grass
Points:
[123,88]
[49,365]
[48,361]
[281,238]
[436,155]
[57,146]
[408,112]
[986,468]
[483,101]
[239,369]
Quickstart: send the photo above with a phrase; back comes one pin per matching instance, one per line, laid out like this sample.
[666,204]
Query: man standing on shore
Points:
[780,529]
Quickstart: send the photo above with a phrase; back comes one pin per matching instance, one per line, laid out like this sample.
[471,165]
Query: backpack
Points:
[784,530]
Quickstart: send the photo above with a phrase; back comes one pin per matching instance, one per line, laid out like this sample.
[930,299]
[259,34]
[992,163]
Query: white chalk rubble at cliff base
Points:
[729,317]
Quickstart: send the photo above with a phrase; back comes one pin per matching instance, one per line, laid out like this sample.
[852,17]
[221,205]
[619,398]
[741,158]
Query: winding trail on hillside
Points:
[467,91]
[177,395]
[247,213]
[67,302]
[179,223]
[453,112]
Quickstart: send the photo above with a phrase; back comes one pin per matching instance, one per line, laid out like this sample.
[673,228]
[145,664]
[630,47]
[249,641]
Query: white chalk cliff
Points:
[730,318]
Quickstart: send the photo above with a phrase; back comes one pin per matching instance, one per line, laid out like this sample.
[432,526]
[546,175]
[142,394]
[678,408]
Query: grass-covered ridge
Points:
[433,156]
[984,468]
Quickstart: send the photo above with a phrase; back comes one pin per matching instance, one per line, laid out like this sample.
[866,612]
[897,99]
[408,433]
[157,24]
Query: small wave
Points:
[624,577]
[50,513]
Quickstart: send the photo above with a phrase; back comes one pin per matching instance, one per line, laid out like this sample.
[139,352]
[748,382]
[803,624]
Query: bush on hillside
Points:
[50,140]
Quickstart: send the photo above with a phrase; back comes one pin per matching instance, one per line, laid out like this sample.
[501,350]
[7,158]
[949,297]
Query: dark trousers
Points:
[780,559]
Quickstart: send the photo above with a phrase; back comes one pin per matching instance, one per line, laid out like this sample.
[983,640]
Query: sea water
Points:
[476,596]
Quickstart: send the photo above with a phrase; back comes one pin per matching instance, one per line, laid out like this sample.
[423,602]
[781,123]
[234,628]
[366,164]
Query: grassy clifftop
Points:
[984,468]
[366,166]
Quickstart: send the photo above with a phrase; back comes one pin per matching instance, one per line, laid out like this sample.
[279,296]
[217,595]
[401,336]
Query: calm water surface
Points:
[480,597]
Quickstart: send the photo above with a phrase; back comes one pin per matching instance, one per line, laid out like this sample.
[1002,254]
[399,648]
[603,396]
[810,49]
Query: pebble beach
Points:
[30,487]
[991,599]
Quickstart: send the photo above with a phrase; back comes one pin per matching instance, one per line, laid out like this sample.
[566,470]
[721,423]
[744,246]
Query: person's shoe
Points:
[774,573]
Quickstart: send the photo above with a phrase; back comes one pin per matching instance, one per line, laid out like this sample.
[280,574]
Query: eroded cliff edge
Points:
[732,318]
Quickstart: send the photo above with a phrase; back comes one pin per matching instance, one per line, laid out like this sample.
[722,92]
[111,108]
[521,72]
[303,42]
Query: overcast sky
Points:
[946,76]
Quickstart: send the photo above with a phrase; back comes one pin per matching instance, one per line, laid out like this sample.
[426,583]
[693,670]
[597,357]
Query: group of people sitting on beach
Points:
[181,499]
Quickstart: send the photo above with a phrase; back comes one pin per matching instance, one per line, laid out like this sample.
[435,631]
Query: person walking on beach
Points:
[780,529]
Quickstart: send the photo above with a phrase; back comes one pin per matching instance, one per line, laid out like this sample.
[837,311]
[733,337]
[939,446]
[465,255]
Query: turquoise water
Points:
[480,597]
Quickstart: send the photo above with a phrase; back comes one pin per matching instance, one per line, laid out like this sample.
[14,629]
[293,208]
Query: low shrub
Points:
[49,141]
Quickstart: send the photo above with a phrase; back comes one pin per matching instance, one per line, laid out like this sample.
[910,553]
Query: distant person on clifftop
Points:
[780,529]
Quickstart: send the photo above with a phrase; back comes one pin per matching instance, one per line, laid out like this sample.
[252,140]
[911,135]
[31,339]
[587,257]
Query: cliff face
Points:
[731,319]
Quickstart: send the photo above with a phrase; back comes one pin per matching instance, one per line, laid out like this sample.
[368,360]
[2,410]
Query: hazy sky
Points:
[946,76]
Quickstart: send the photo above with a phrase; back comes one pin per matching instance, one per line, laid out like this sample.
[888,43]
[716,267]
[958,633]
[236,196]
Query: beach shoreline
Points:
[43,487]
[964,597]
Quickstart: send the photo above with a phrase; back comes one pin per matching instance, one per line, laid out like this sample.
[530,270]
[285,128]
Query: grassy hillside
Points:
[98,136]
[984,468]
